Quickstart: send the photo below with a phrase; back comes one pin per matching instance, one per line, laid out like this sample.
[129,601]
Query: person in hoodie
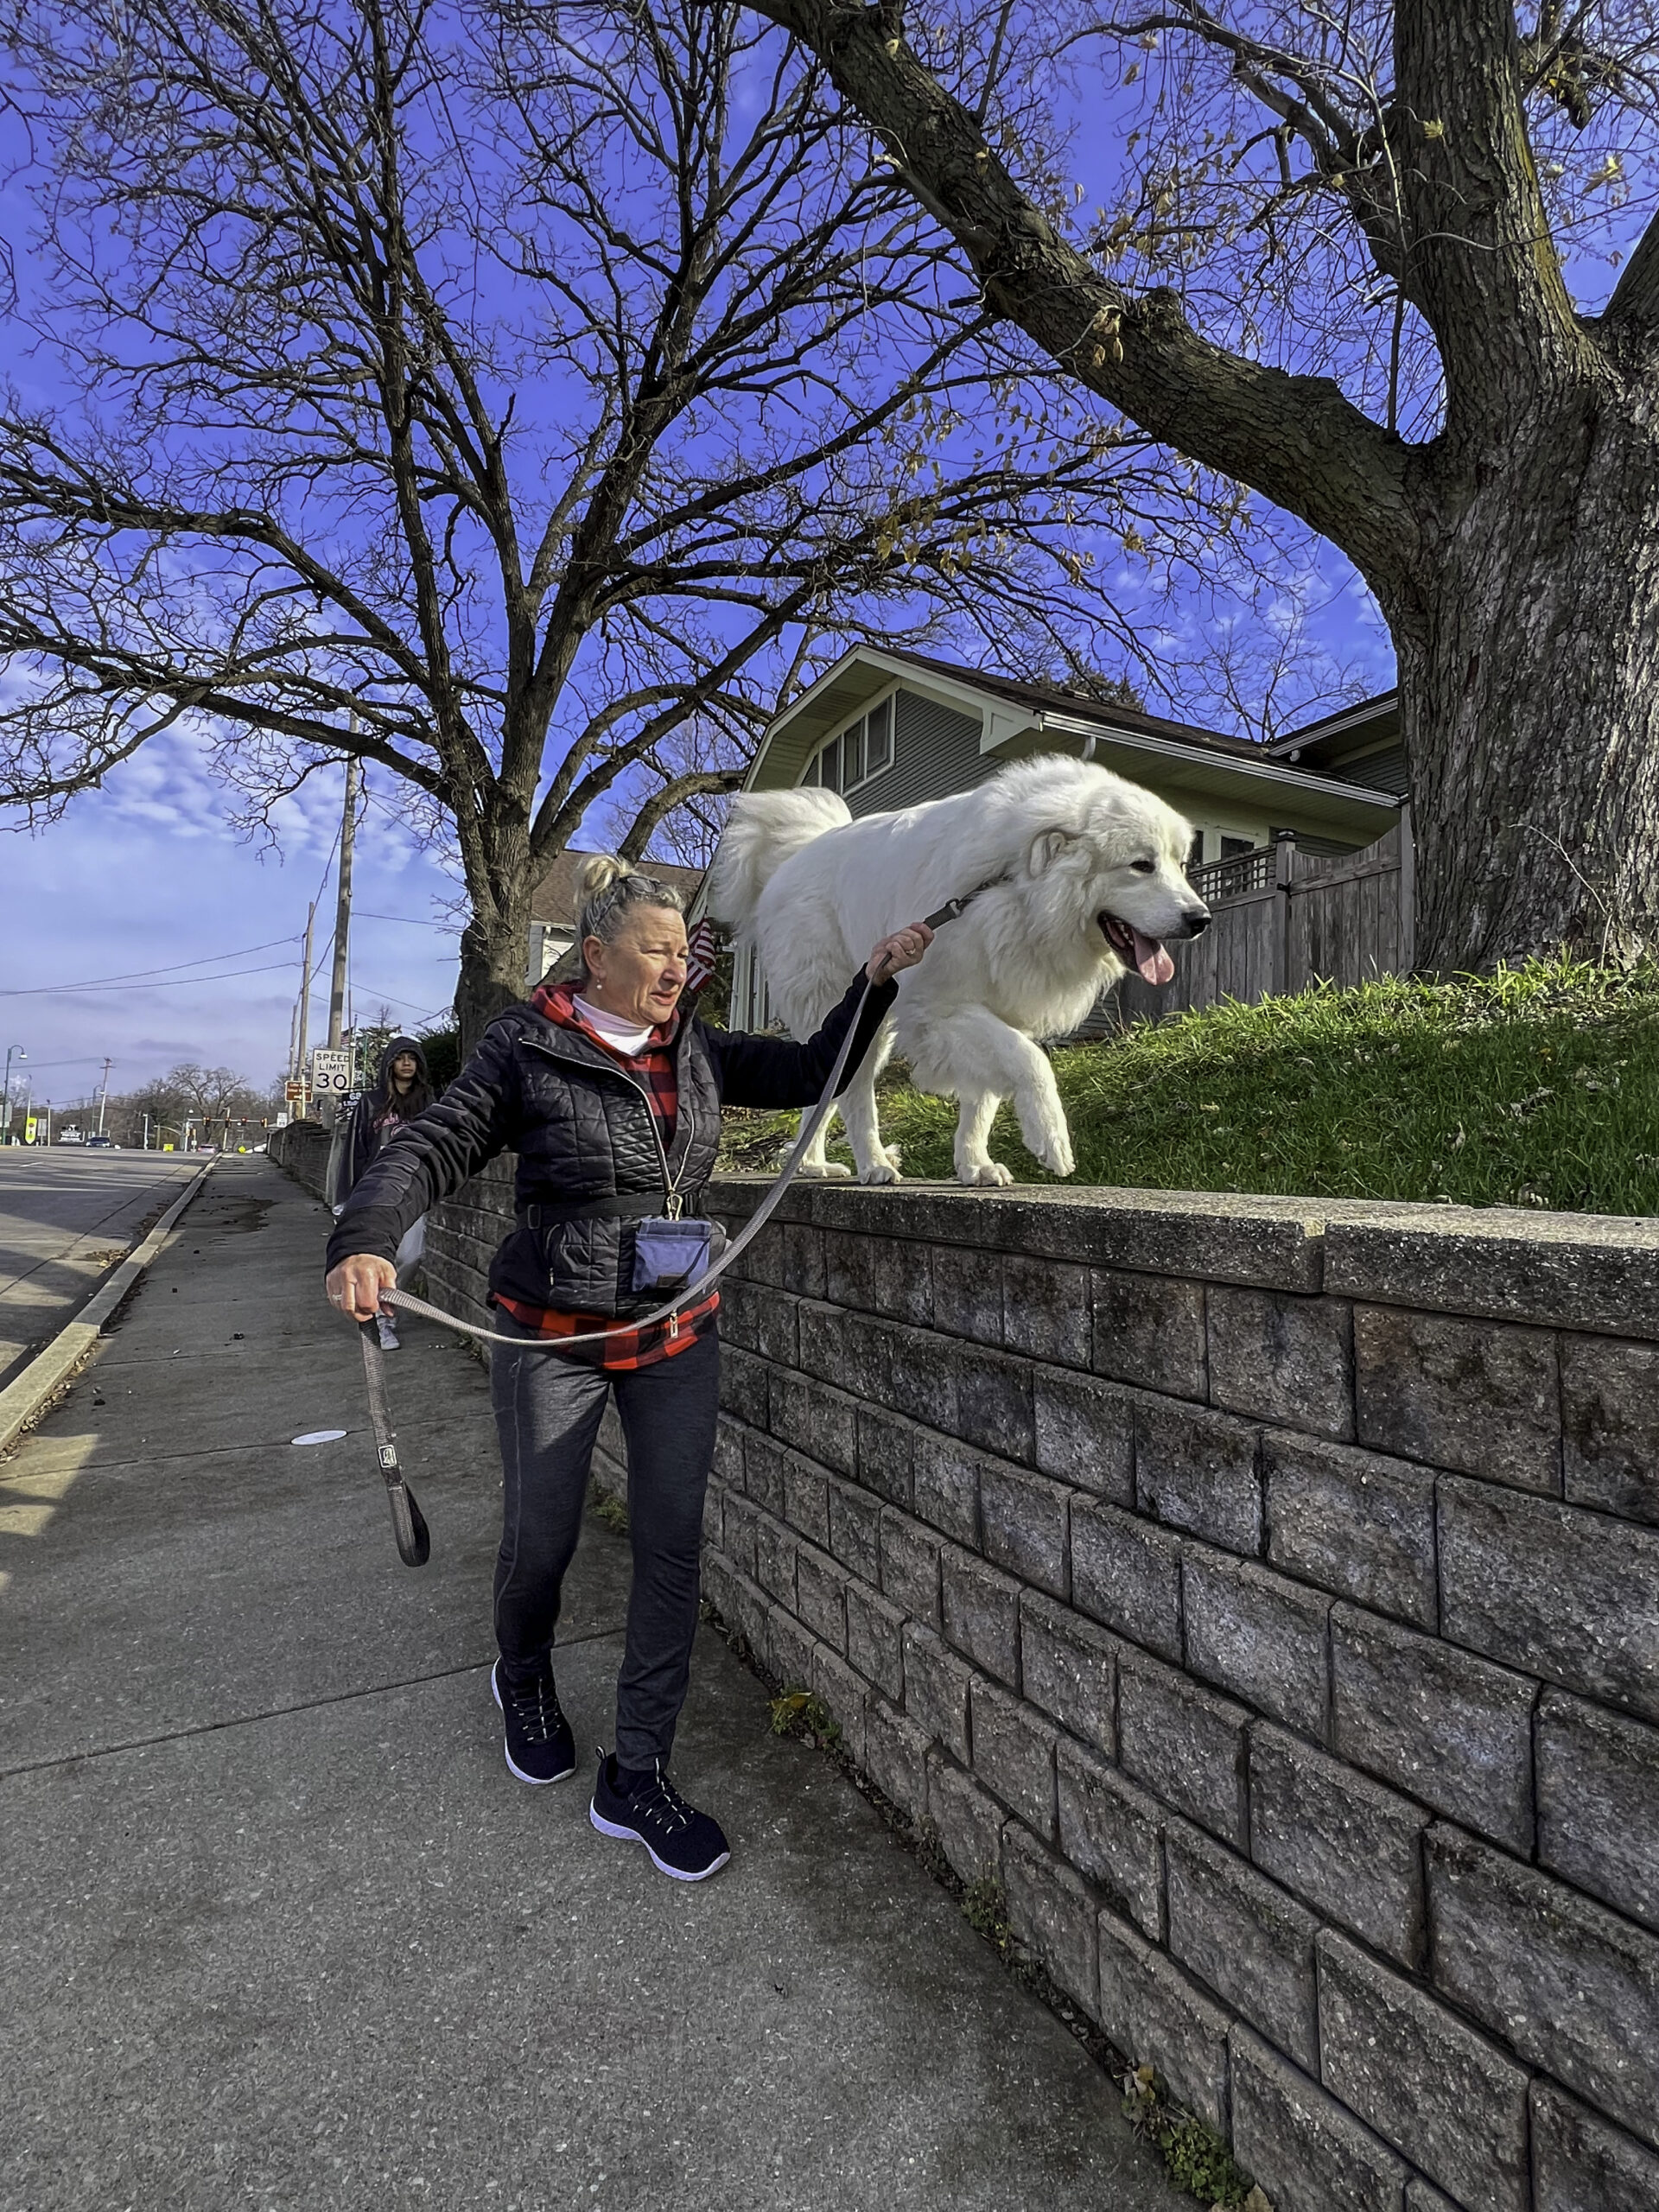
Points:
[609,1089]
[402,1089]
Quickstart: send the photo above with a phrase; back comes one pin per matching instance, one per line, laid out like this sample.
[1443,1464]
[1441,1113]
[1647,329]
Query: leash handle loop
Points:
[407,1522]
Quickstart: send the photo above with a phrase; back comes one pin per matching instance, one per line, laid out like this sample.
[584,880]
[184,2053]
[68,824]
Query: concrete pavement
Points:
[66,1216]
[282,1930]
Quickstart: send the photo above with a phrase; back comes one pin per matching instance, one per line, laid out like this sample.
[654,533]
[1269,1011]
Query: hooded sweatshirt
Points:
[380,1115]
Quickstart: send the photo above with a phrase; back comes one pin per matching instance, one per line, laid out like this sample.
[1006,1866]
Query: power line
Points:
[169,984]
[423,1013]
[138,975]
[409,921]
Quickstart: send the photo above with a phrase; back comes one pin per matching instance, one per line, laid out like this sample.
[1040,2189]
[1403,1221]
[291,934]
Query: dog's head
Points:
[1111,867]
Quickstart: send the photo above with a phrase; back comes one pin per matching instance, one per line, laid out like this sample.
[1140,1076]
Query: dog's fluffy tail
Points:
[763,830]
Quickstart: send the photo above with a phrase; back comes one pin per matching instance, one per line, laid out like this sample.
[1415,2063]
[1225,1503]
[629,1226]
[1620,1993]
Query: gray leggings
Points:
[548,1410]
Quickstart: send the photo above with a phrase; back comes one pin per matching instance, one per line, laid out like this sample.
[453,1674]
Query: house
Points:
[554,904]
[1361,744]
[890,729]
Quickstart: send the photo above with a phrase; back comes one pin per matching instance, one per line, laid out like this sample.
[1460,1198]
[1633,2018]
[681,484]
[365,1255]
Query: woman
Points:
[610,1095]
[403,1090]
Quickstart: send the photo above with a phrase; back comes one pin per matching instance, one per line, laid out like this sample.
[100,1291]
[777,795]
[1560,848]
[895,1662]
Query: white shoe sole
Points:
[536,1781]
[632,1836]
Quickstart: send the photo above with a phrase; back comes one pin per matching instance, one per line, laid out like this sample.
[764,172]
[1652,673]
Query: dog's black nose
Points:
[1197,921]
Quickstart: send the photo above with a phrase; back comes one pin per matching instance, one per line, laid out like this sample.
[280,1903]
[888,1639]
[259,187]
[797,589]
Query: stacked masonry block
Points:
[1266,1592]
[1269,1596]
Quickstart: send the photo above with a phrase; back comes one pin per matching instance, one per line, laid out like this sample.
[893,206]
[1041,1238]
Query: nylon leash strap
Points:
[407,1522]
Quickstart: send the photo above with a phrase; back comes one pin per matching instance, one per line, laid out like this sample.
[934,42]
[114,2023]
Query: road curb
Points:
[22,1399]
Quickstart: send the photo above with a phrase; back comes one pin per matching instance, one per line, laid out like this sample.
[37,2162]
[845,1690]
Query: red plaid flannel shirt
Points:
[624,1347]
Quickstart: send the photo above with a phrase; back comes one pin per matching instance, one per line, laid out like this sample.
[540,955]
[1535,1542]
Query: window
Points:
[751,996]
[877,739]
[860,751]
[1232,847]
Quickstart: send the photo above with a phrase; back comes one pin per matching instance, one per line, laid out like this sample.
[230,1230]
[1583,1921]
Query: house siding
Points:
[935,753]
[1377,771]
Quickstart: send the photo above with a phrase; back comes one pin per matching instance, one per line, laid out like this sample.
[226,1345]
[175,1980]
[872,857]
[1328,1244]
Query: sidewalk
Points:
[281,1929]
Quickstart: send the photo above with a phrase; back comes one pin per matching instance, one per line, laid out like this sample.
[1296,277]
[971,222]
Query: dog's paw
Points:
[833,1171]
[989,1174]
[1057,1156]
[881,1170]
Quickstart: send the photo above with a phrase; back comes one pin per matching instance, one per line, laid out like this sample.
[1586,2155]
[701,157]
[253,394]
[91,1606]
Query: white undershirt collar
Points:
[615,1029]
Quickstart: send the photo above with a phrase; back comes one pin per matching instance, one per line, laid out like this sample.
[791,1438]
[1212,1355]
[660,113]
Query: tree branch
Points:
[1488,277]
[1297,440]
[1634,305]
[664,801]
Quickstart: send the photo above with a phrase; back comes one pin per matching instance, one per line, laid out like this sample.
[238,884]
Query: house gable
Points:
[953,728]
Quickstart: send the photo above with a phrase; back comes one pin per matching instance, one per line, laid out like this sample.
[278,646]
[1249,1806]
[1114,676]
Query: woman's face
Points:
[640,975]
[404,1069]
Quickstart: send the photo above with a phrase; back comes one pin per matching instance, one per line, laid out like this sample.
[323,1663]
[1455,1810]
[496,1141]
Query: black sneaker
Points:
[539,1745]
[684,1844]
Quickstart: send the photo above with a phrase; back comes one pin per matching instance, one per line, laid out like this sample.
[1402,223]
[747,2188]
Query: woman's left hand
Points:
[902,950]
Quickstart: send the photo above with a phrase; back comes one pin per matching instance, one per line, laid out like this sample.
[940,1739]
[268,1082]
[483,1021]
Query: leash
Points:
[407,1522]
[414,1542]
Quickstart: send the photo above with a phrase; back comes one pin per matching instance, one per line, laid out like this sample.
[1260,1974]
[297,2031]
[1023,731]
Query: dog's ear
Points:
[1046,848]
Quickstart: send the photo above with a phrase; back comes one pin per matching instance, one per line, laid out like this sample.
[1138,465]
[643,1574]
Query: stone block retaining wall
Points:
[1266,1592]
[300,1148]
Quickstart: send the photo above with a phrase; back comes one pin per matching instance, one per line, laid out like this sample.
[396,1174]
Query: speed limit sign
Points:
[331,1073]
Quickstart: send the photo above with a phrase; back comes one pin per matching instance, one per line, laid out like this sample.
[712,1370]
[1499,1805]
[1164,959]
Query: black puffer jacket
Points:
[590,1162]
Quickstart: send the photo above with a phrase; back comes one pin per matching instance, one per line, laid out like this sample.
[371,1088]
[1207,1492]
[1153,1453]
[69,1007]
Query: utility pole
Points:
[104,1097]
[343,905]
[5,1104]
[330,1110]
[305,1007]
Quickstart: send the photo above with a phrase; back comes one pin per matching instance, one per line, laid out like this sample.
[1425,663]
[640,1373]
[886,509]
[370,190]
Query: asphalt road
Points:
[67,1217]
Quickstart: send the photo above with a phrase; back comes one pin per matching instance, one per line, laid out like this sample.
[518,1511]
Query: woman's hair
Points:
[385,1096]
[610,890]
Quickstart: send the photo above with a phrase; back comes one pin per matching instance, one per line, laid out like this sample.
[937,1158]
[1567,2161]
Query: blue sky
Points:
[147,873]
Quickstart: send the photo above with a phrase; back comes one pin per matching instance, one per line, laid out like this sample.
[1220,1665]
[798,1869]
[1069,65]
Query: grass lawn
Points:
[1537,1086]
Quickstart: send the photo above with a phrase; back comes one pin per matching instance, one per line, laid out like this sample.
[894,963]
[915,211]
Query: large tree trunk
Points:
[1529,691]
[495,944]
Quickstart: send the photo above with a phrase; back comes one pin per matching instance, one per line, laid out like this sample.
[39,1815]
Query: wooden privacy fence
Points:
[1283,919]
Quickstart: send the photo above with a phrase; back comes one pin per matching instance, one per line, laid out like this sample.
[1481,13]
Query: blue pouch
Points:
[669,1255]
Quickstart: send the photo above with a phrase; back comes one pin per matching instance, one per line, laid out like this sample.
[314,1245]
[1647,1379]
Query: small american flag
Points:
[702,951]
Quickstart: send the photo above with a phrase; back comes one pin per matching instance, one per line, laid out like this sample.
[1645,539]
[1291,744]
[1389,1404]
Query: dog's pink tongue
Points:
[1150,958]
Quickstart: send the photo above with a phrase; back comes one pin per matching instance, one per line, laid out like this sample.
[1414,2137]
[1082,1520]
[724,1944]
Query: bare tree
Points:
[519,400]
[1390,198]
[204,1095]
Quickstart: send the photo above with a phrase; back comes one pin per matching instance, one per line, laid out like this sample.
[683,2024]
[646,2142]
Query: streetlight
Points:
[5,1124]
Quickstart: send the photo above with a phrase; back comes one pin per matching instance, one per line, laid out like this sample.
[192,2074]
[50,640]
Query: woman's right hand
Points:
[902,950]
[354,1286]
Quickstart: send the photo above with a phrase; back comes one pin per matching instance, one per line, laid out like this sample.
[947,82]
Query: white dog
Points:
[1085,876]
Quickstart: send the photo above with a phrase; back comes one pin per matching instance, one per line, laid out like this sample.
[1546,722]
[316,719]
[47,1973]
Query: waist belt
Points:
[632,1206]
